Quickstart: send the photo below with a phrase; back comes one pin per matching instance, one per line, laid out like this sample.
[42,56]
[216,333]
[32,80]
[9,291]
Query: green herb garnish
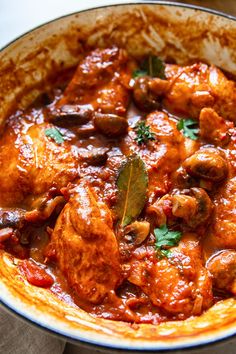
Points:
[166,238]
[151,66]
[132,185]
[189,128]
[139,73]
[143,133]
[164,253]
[54,134]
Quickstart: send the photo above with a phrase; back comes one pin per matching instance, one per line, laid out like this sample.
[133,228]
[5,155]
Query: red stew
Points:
[118,191]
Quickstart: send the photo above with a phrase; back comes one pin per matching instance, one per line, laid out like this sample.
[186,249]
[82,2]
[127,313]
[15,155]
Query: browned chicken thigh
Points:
[197,86]
[179,284]
[31,162]
[85,245]
[101,79]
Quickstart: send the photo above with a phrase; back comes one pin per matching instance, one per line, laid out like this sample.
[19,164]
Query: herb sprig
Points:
[166,238]
[55,134]
[189,128]
[151,66]
[143,133]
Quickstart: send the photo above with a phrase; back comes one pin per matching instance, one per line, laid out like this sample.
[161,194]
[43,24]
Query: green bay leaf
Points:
[132,185]
[154,67]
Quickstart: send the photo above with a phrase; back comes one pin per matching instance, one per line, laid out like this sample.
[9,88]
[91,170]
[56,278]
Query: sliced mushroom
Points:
[161,209]
[110,124]
[85,130]
[71,115]
[193,206]
[208,164]
[222,267]
[95,157]
[147,92]
[182,179]
[184,206]
[140,229]
[45,209]
[12,218]
[204,208]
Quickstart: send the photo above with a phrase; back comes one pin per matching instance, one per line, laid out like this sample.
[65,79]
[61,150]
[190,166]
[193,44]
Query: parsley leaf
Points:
[143,133]
[189,128]
[166,238]
[54,134]
[151,66]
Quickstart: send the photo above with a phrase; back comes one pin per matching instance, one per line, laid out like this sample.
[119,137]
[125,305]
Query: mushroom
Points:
[203,210]
[71,115]
[184,206]
[12,218]
[222,267]
[140,229]
[110,124]
[95,157]
[45,209]
[192,205]
[147,92]
[208,163]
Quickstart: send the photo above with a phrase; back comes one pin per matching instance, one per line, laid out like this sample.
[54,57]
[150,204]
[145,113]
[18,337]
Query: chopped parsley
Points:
[143,133]
[151,66]
[54,134]
[189,128]
[166,238]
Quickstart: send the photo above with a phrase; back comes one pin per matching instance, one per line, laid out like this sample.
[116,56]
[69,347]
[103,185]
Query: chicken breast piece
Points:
[101,79]
[197,86]
[178,284]
[31,162]
[85,246]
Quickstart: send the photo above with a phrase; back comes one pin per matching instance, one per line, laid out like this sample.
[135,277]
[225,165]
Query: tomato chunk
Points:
[36,275]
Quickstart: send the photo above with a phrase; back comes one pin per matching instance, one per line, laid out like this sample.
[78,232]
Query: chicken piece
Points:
[31,163]
[223,228]
[162,156]
[179,284]
[85,245]
[222,266]
[101,79]
[213,128]
[195,87]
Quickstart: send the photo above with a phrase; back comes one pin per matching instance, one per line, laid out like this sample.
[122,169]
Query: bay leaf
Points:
[132,185]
